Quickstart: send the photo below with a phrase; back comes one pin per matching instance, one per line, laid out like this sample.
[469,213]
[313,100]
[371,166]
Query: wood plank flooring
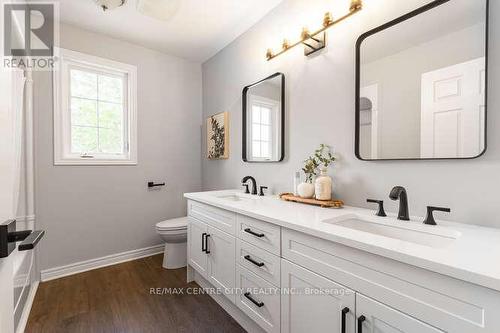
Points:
[118,299]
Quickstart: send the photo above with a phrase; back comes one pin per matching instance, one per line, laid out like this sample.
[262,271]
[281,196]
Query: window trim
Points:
[62,151]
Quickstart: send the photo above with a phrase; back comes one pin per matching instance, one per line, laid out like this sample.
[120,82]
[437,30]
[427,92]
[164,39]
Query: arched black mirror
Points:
[264,120]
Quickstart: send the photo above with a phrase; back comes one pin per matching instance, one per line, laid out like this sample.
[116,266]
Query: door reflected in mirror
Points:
[263,120]
[422,84]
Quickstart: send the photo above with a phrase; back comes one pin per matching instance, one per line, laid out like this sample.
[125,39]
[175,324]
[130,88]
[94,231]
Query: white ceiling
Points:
[197,30]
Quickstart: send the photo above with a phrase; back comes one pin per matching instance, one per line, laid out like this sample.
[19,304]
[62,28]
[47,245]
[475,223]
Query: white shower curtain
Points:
[18,123]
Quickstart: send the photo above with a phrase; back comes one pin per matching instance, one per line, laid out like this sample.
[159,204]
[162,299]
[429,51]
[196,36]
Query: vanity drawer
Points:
[264,235]
[260,262]
[216,217]
[258,299]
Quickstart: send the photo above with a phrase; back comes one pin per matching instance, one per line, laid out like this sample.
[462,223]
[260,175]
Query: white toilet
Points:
[174,233]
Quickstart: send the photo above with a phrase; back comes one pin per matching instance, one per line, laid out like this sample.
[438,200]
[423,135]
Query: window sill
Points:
[76,162]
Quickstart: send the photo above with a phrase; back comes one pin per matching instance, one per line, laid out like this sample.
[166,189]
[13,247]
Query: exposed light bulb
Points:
[356,5]
[269,54]
[327,20]
[305,34]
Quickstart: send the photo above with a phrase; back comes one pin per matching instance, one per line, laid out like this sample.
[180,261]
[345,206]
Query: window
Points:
[263,134]
[261,131]
[95,111]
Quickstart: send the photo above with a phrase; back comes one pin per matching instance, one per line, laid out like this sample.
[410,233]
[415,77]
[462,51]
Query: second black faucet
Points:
[399,192]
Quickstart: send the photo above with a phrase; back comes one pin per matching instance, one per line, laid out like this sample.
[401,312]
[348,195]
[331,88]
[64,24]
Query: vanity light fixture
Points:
[316,40]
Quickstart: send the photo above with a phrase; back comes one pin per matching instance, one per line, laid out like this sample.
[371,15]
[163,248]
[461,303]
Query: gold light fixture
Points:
[315,41]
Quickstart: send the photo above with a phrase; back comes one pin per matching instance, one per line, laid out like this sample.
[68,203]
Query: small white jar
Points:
[305,190]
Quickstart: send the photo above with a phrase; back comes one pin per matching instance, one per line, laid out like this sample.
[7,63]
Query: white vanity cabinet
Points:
[211,251]
[415,300]
[312,303]
[197,258]
[289,281]
[221,263]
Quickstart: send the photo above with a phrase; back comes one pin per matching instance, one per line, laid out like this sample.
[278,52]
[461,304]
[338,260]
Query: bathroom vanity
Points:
[296,268]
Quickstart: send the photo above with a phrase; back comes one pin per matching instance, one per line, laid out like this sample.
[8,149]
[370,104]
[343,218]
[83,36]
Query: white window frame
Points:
[275,106]
[62,115]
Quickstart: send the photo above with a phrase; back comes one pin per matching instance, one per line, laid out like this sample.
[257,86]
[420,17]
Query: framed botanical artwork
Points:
[218,136]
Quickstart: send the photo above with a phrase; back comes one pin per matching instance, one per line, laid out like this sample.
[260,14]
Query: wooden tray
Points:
[324,204]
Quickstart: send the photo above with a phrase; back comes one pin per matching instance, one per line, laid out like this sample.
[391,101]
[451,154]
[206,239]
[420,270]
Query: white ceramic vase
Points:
[323,186]
[305,190]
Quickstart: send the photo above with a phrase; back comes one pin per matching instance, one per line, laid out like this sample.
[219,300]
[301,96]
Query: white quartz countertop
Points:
[472,255]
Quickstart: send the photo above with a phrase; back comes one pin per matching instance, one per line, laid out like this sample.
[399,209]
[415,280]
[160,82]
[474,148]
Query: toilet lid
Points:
[173,224]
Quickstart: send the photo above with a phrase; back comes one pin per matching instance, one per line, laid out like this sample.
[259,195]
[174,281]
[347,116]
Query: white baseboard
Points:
[246,322]
[87,265]
[21,326]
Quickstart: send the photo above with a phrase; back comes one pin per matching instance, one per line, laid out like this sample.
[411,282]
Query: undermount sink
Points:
[233,197]
[421,235]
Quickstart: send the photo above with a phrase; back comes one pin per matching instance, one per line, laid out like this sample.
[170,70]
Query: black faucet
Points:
[254,183]
[399,192]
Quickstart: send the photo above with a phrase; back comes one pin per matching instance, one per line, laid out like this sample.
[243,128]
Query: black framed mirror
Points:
[264,120]
[421,84]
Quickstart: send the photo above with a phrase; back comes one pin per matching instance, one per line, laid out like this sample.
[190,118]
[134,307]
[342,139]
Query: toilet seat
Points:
[173,225]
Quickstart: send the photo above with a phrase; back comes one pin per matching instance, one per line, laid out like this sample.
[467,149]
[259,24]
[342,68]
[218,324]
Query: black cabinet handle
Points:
[203,242]
[344,312]
[207,251]
[361,319]
[258,264]
[258,304]
[30,242]
[254,233]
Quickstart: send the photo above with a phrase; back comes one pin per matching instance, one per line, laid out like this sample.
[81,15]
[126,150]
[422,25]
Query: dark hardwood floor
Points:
[118,299]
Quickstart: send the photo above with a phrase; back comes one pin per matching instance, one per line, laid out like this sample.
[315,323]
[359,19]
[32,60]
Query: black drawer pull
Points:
[254,233]
[361,319]
[258,304]
[207,251]
[344,312]
[30,242]
[203,244]
[258,264]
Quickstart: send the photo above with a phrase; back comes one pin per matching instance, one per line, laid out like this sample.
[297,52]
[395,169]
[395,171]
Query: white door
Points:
[368,125]
[311,303]
[453,111]
[197,257]
[376,317]
[221,248]
[11,95]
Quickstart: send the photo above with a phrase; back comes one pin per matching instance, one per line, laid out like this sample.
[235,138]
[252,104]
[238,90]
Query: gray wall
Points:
[93,211]
[320,109]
